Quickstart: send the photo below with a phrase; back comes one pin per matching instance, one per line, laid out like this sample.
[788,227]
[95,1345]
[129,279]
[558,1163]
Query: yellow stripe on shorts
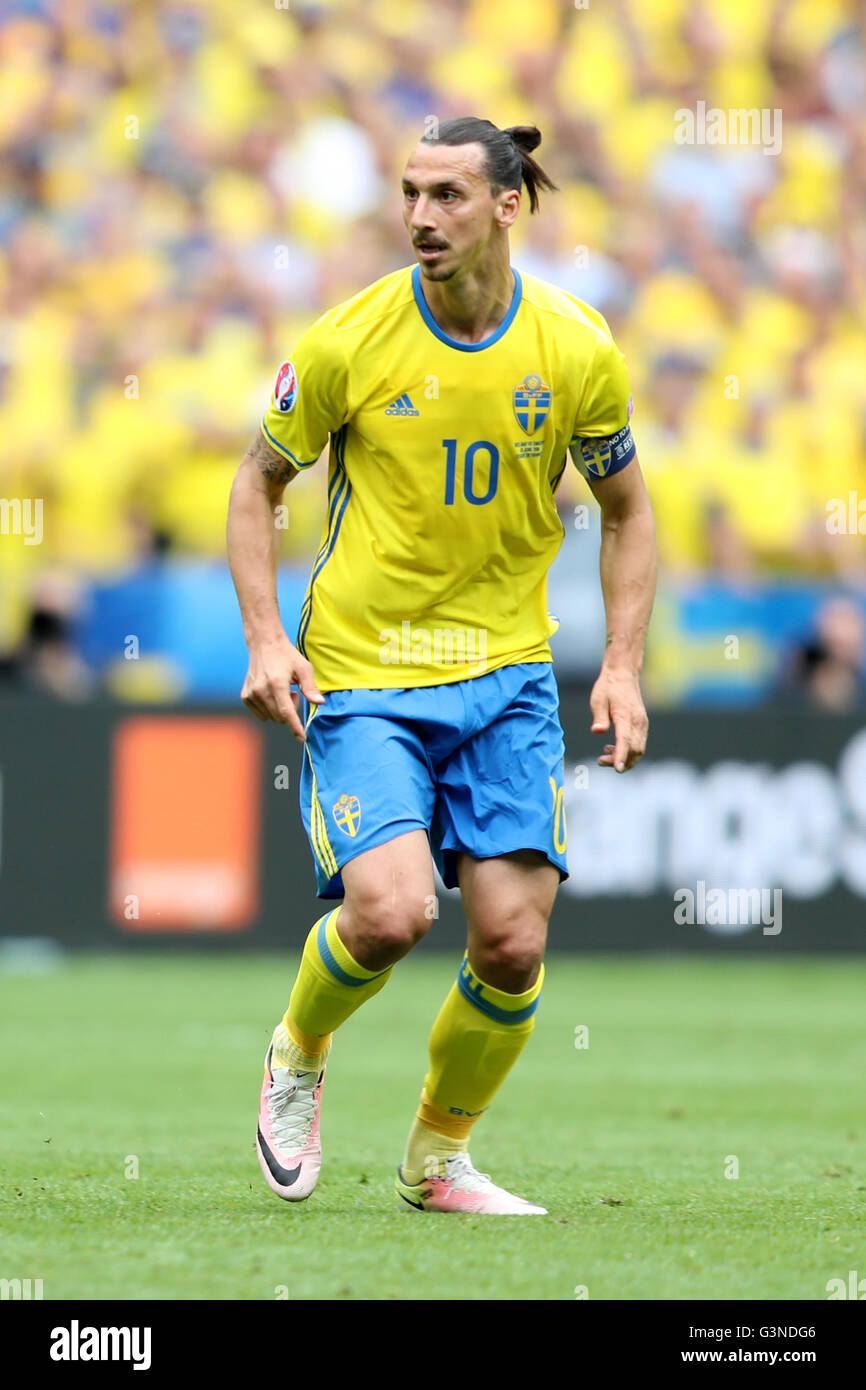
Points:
[318,826]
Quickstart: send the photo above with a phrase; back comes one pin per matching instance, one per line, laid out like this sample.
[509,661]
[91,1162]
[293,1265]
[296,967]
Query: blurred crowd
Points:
[186,184]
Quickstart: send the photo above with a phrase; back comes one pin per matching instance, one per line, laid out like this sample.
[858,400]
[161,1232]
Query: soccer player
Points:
[452,392]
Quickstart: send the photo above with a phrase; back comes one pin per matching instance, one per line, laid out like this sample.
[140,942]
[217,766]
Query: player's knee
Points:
[386,930]
[400,927]
[510,959]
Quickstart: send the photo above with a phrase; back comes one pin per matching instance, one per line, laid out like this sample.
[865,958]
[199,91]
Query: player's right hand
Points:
[275,666]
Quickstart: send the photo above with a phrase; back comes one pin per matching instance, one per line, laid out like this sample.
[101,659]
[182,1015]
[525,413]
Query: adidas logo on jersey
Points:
[402,406]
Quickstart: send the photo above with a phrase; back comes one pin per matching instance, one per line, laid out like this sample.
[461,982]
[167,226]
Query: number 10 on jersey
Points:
[481,446]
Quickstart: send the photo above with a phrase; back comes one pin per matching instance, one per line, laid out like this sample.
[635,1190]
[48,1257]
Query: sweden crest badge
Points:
[347,814]
[531,403]
[596,454]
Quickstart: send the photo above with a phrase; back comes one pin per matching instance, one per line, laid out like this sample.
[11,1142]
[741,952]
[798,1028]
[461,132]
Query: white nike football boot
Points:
[288,1142]
[463,1188]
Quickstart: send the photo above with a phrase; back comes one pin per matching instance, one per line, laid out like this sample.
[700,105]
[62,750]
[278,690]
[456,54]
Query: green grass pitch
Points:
[112,1066]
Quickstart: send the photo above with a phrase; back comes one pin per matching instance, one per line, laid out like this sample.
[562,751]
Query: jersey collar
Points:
[443,337]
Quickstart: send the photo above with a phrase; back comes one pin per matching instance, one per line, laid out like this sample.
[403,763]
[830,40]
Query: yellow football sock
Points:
[478,1036]
[426,1151]
[297,1050]
[329,987]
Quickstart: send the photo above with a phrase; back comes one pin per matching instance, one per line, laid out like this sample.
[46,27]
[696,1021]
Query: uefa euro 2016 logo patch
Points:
[286,389]
[347,814]
[531,403]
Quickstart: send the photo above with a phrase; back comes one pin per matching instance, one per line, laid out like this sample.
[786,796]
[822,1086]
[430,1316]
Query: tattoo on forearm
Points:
[274,467]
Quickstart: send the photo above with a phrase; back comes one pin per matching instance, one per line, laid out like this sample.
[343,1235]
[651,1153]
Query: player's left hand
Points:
[616,698]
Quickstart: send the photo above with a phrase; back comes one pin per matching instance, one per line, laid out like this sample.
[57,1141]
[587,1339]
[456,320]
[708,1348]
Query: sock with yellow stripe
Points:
[329,987]
[478,1036]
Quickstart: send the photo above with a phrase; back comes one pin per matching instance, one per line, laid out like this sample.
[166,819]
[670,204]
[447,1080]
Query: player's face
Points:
[448,208]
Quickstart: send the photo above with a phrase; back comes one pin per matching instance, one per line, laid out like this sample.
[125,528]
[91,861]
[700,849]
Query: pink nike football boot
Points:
[463,1188]
[287,1140]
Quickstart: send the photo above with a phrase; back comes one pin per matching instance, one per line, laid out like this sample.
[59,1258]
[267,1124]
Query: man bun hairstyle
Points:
[507,153]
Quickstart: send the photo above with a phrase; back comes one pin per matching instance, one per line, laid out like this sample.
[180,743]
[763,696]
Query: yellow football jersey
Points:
[444,460]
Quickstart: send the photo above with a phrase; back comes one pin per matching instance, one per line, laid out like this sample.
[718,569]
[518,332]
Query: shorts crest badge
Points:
[347,814]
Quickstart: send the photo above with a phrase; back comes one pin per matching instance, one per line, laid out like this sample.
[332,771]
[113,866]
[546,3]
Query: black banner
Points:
[738,831]
[121,1338]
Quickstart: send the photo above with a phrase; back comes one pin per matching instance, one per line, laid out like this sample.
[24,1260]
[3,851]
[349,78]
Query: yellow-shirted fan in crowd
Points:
[452,394]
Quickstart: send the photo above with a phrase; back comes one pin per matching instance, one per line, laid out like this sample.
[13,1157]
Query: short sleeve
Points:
[602,442]
[309,398]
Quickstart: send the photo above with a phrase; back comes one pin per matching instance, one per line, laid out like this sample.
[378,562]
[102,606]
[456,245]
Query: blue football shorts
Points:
[478,764]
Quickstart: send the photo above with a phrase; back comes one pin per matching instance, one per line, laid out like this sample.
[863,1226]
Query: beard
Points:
[437,273]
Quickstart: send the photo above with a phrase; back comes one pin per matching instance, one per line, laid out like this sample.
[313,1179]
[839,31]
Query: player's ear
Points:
[507,207]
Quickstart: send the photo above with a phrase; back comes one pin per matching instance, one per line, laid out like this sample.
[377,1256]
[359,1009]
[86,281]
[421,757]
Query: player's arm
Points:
[307,404]
[253,551]
[604,452]
[628,579]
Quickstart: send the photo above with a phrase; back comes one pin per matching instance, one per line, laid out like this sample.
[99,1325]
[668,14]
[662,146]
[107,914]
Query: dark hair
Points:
[507,153]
